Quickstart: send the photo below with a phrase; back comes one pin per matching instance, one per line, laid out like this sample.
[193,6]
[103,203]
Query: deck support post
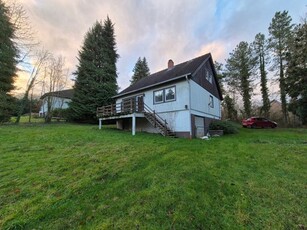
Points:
[133,124]
[100,123]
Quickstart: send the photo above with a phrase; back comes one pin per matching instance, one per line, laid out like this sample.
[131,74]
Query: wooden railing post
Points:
[131,106]
[165,127]
[154,113]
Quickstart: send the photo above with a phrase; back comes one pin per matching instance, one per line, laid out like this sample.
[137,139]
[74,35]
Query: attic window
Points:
[209,76]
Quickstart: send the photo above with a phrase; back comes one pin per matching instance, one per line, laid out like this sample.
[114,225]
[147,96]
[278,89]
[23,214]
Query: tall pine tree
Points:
[8,55]
[261,50]
[240,69]
[296,78]
[96,74]
[280,31]
[140,70]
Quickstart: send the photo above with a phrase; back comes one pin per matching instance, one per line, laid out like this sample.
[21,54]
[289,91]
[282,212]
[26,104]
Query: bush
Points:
[227,126]
[62,113]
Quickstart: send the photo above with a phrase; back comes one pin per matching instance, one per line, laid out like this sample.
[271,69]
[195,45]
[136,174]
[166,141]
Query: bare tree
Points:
[42,57]
[55,79]
[24,36]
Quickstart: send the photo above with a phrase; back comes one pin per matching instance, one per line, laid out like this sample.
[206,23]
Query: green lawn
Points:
[62,176]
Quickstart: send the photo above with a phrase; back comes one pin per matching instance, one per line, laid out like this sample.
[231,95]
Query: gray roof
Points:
[67,93]
[177,72]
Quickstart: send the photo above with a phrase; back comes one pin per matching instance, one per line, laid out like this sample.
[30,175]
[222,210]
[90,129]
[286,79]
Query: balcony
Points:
[133,108]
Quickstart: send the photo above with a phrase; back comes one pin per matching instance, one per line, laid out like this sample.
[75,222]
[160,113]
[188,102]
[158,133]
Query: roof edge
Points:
[149,86]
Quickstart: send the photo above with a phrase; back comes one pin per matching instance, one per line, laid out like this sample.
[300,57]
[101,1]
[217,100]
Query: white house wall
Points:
[57,102]
[200,105]
[175,112]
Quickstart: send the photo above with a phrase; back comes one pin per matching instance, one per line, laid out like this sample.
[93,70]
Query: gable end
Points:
[205,76]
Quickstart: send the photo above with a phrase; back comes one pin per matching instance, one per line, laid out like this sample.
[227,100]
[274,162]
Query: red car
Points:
[258,122]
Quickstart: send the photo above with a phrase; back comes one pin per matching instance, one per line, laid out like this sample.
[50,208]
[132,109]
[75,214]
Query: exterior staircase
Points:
[130,106]
[158,122]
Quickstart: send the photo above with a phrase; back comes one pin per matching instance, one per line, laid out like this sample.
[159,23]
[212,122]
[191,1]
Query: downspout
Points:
[190,114]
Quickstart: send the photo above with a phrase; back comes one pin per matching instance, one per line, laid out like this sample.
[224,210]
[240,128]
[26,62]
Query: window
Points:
[170,94]
[211,104]
[209,75]
[165,95]
[158,96]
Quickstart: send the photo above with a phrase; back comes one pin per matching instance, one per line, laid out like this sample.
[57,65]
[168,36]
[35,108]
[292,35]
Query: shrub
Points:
[227,126]
[62,113]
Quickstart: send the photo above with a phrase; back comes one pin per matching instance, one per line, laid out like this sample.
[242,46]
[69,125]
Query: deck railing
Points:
[127,106]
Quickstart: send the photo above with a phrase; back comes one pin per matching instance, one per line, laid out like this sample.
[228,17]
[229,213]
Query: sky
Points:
[156,29]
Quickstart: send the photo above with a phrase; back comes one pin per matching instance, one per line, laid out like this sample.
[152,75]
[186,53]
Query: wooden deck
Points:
[128,106]
[134,108]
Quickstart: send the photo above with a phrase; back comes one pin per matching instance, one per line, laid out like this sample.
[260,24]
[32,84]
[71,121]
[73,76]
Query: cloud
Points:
[216,48]
[156,29]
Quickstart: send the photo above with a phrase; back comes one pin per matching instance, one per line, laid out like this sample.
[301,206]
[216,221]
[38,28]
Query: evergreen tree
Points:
[140,70]
[261,49]
[280,35]
[229,108]
[296,79]
[240,66]
[220,75]
[8,55]
[95,83]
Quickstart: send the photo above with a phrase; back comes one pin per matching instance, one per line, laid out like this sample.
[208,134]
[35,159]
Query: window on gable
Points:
[170,94]
[209,75]
[158,96]
[211,102]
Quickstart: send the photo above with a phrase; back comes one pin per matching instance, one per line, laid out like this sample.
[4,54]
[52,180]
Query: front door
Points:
[139,104]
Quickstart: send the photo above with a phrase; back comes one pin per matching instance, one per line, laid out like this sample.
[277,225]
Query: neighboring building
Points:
[58,99]
[180,101]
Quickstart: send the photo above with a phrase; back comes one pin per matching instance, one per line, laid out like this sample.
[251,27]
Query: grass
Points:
[25,119]
[64,176]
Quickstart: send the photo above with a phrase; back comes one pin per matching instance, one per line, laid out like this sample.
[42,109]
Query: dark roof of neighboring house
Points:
[67,93]
[178,71]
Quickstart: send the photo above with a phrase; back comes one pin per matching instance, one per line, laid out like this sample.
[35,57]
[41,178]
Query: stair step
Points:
[156,122]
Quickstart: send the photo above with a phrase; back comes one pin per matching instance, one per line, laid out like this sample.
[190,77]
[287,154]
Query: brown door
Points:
[140,104]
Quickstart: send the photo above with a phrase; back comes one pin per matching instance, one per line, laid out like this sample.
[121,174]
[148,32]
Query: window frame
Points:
[165,93]
[164,100]
[154,96]
[209,75]
[211,101]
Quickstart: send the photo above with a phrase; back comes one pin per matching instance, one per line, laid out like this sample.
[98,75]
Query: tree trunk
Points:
[283,94]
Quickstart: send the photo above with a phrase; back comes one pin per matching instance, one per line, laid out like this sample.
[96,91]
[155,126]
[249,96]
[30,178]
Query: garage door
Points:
[199,127]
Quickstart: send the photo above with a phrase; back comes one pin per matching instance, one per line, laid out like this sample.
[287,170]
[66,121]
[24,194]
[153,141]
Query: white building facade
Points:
[186,96]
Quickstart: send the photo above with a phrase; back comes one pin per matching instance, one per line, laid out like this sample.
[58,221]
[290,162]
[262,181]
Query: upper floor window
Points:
[211,102]
[158,96]
[170,94]
[165,95]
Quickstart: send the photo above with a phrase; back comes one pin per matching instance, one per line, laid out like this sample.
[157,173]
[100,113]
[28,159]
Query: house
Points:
[58,100]
[181,100]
